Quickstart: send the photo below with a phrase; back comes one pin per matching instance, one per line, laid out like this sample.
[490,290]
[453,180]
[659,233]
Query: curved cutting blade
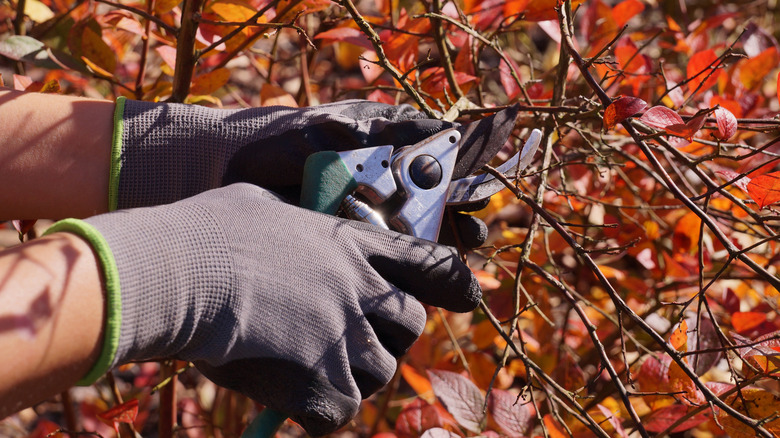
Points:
[481,140]
[479,187]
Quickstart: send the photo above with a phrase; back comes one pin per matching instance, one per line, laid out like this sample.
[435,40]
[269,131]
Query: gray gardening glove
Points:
[303,312]
[166,152]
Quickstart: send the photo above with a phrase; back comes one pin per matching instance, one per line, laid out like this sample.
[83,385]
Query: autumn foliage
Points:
[631,278]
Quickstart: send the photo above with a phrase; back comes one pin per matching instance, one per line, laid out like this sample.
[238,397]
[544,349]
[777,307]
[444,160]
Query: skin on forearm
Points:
[55,154]
[51,318]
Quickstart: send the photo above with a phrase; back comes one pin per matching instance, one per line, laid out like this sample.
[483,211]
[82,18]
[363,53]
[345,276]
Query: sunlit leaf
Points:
[123,413]
[661,419]
[679,381]
[744,322]
[438,432]
[765,189]
[418,382]
[345,34]
[27,49]
[210,82]
[621,109]
[626,10]
[37,11]
[660,117]
[273,95]
[754,71]
[515,416]
[701,72]
[679,337]
[168,55]
[755,403]
[614,420]
[460,396]
[727,124]
[164,6]
[554,429]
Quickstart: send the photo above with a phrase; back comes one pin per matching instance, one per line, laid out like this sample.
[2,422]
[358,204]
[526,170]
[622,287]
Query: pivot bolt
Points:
[425,172]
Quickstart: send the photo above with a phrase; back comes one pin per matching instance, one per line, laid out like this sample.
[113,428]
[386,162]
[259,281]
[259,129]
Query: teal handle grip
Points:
[326,182]
[265,424]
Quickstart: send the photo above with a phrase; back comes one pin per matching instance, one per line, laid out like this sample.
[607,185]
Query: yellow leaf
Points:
[232,10]
[97,52]
[210,82]
[203,99]
[165,6]
[52,86]
[37,11]
[755,403]
[273,95]
[94,68]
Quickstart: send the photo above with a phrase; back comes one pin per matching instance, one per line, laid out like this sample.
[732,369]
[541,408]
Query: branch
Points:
[185,50]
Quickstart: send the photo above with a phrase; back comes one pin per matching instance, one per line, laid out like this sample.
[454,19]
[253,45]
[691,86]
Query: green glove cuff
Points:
[116,154]
[113,298]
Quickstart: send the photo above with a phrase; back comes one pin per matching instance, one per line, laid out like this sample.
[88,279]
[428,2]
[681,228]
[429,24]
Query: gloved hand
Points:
[303,312]
[167,152]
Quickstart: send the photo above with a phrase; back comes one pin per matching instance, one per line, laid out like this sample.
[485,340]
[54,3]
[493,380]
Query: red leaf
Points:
[687,130]
[514,417]
[621,109]
[346,35]
[22,226]
[438,432]
[730,175]
[614,420]
[508,81]
[460,396]
[727,124]
[660,117]
[661,419]
[625,10]
[124,413]
[415,418]
[700,72]
[765,189]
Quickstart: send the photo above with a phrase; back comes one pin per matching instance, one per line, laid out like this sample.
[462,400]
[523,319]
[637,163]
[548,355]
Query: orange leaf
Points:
[700,70]
[554,429]
[679,338]
[123,413]
[778,86]
[273,95]
[625,10]
[765,189]
[753,71]
[745,321]
[679,381]
[418,382]
[164,6]
[686,233]
[210,82]
[755,403]
[621,109]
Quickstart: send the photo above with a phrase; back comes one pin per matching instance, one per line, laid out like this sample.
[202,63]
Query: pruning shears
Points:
[407,189]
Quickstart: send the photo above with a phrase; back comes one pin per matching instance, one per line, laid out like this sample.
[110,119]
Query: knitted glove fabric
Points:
[165,152]
[303,312]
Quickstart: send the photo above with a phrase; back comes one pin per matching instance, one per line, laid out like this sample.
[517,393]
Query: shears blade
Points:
[480,187]
[481,140]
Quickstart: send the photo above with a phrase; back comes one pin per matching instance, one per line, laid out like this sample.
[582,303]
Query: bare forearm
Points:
[51,318]
[54,155]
